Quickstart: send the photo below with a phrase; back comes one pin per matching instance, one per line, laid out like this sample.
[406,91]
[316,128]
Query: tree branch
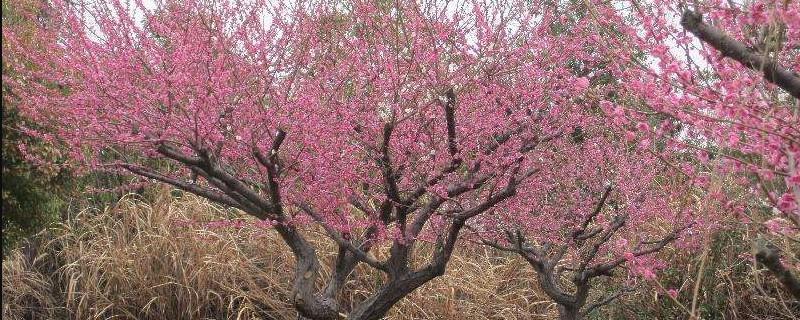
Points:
[341,241]
[385,162]
[270,164]
[606,268]
[185,186]
[582,230]
[449,112]
[729,47]
[235,185]
[616,224]
[608,299]
[769,257]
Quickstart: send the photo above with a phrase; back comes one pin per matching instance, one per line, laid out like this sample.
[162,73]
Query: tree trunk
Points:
[568,313]
[376,306]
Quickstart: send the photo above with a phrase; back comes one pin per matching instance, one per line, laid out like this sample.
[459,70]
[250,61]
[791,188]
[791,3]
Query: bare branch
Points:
[769,257]
[224,188]
[186,186]
[729,47]
[509,191]
[270,164]
[341,241]
[449,111]
[172,153]
[453,191]
[616,224]
[417,193]
[582,230]
[606,268]
[608,299]
[235,185]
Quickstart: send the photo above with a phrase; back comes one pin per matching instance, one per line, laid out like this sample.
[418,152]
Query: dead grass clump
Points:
[132,261]
[138,261]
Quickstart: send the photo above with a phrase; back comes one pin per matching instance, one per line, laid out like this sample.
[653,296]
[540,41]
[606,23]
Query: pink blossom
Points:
[648,274]
[673,293]
[787,202]
[629,256]
[581,84]
[733,139]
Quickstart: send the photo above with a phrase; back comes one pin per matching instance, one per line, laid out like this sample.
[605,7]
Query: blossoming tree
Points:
[614,194]
[728,72]
[384,123]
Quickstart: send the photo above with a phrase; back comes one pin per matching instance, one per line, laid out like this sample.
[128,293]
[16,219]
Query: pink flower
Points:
[581,84]
[733,139]
[703,156]
[776,225]
[628,256]
[648,274]
[630,136]
[787,202]
[672,293]
[607,107]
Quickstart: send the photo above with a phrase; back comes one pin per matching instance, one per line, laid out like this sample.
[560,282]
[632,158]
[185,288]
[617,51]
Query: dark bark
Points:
[568,313]
[769,257]
[729,47]
[450,117]
[376,306]
[304,297]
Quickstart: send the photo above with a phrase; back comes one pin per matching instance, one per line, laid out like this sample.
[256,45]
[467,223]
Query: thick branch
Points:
[224,188]
[770,258]
[270,164]
[171,152]
[343,267]
[211,167]
[446,245]
[385,161]
[582,230]
[549,282]
[341,241]
[185,186]
[782,77]
[450,117]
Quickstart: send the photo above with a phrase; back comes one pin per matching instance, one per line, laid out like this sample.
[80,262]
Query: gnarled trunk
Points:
[568,313]
[376,306]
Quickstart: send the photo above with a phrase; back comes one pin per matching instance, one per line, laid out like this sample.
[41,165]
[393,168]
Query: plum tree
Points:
[386,123]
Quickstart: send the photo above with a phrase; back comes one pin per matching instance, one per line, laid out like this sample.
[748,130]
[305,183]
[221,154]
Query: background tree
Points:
[32,194]
[728,73]
[40,183]
[614,197]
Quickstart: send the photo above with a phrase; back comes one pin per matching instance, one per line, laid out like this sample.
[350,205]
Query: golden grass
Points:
[135,261]
[132,261]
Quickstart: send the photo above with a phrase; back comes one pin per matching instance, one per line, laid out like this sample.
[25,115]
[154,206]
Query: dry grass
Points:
[133,261]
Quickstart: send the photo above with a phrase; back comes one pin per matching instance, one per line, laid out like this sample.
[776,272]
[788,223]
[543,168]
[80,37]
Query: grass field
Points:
[141,260]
